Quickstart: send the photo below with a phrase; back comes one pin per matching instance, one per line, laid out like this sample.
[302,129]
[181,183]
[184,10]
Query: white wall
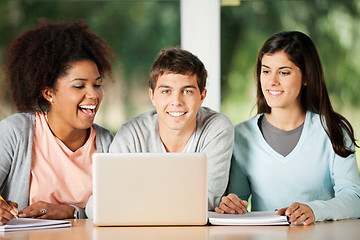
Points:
[200,34]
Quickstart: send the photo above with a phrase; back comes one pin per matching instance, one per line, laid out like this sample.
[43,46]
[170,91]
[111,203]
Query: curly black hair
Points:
[38,57]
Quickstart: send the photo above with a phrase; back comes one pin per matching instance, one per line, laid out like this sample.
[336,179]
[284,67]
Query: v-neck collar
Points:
[296,149]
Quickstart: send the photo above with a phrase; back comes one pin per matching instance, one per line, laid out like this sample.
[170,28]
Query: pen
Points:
[13,211]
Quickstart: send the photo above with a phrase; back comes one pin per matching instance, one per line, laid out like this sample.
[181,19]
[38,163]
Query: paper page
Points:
[33,223]
[248,218]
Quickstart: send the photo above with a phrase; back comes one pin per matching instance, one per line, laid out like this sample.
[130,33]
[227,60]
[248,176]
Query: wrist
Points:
[76,212]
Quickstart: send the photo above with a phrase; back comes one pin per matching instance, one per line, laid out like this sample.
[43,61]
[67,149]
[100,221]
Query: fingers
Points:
[5,213]
[300,213]
[14,206]
[48,210]
[280,211]
[232,204]
[34,210]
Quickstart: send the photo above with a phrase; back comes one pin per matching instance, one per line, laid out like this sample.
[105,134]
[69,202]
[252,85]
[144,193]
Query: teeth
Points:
[176,114]
[274,92]
[88,106]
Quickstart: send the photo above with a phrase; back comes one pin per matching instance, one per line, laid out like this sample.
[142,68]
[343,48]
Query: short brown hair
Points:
[178,61]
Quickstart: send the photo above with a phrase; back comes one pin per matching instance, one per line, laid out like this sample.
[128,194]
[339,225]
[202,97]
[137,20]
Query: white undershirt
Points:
[187,147]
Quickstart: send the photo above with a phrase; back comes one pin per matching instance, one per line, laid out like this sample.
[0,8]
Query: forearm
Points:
[340,207]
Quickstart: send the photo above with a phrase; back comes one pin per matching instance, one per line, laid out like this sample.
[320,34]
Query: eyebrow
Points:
[84,79]
[279,67]
[187,86]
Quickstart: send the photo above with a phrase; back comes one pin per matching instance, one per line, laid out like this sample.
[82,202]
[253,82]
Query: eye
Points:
[187,91]
[79,86]
[285,73]
[165,91]
[98,85]
[264,71]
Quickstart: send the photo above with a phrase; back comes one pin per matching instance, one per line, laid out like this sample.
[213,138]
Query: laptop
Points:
[140,189]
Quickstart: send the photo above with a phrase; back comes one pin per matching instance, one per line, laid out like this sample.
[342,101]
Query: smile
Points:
[88,110]
[176,114]
[275,92]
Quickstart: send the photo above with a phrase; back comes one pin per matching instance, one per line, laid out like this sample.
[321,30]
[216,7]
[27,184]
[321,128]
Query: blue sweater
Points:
[312,173]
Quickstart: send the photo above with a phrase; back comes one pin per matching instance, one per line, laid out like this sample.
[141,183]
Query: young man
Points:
[179,123]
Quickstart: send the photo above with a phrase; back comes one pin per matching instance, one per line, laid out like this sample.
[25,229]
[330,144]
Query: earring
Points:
[51,100]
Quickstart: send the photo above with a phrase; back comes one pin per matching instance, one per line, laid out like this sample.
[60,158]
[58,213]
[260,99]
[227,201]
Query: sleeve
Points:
[124,141]
[103,138]
[8,140]
[218,150]
[238,180]
[89,208]
[346,185]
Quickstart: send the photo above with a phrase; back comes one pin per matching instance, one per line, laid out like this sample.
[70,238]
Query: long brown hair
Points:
[301,50]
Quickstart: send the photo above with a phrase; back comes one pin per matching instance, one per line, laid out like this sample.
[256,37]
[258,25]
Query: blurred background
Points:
[137,30]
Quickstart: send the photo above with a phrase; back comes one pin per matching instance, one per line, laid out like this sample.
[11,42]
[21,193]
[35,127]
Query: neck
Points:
[286,120]
[176,140]
[73,138]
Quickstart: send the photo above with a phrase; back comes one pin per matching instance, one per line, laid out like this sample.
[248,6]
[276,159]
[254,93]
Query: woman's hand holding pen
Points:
[232,204]
[47,210]
[8,210]
[298,213]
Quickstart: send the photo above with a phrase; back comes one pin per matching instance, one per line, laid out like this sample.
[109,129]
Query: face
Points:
[177,99]
[77,96]
[281,81]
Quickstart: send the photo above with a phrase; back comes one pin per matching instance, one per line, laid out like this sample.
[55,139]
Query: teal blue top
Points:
[312,173]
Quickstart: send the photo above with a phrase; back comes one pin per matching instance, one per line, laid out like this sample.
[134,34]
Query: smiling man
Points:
[179,124]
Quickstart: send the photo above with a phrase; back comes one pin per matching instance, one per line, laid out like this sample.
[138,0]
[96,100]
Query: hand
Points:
[47,210]
[298,213]
[232,204]
[7,211]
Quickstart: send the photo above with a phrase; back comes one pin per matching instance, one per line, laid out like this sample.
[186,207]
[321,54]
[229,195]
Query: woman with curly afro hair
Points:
[56,73]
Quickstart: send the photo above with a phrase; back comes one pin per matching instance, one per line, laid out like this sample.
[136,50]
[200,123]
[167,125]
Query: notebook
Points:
[139,189]
[22,224]
[248,218]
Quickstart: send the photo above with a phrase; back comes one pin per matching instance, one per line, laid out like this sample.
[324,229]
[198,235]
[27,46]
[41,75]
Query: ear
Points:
[48,93]
[151,94]
[304,82]
[203,95]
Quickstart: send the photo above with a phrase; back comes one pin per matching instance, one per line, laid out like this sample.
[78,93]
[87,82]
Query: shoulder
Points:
[249,125]
[16,129]
[207,117]
[18,122]
[314,124]
[101,131]
[145,125]
[144,121]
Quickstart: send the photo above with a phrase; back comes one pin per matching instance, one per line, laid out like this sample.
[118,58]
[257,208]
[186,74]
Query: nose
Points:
[93,93]
[274,79]
[177,99]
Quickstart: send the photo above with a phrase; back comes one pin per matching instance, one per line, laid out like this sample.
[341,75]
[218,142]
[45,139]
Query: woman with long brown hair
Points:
[297,154]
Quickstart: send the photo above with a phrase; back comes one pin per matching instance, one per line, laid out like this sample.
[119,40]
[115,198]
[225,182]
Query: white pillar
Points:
[200,34]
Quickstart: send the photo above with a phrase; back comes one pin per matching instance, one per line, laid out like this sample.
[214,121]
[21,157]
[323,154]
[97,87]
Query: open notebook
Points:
[248,218]
[32,224]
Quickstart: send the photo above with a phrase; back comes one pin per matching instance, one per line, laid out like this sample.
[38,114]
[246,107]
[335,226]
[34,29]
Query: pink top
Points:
[59,175]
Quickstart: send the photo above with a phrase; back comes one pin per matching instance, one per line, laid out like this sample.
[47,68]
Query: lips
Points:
[176,114]
[88,110]
[274,92]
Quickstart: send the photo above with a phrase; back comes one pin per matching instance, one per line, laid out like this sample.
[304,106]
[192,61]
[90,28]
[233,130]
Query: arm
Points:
[217,143]
[8,142]
[48,211]
[346,182]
